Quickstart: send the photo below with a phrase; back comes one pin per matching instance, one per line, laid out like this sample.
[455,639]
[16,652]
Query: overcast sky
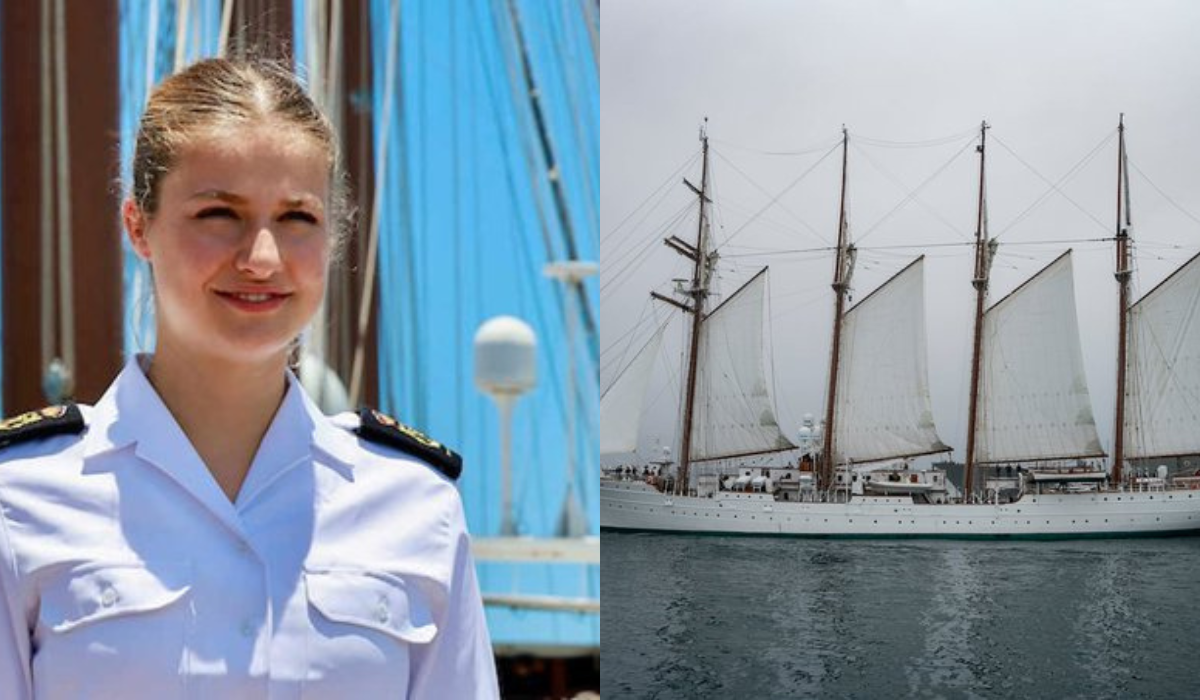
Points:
[775,76]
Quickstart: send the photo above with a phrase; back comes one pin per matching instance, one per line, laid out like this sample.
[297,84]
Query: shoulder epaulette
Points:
[43,423]
[381,428]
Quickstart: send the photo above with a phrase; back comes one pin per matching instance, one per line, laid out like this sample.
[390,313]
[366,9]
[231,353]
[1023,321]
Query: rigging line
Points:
[937,141]
[1054,186]
[762,189]
[507,156]
[634,257]
[226,23]
[66,277]
[1165,196]
[151,49]
[625,368]
[46,219]
[921,246]
[912,195]
[333,60]
[642,246]
[608,351]
[456,226]
[567,59]
[904,188]
[364,306]
[553,171]
[771,354]
[782,192]
[803,152]
[591,19]
[182,16]
[607,249]
[669,180]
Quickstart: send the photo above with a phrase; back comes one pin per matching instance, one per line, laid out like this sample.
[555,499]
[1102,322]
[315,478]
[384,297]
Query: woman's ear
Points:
[135,228]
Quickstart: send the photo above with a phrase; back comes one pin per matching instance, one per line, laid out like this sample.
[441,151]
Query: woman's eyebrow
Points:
[218,194]
[296,200]
[301,200]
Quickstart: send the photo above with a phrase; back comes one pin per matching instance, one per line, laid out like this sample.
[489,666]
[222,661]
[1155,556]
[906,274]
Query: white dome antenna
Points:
[505,368]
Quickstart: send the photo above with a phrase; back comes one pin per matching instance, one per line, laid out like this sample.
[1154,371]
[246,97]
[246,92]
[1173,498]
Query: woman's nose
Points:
[262,257]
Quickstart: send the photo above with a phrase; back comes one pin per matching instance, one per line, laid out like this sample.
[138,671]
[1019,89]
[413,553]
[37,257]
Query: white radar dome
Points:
[505,357]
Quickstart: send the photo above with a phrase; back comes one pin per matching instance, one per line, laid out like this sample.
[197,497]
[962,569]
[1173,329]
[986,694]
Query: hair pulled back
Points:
[220,93]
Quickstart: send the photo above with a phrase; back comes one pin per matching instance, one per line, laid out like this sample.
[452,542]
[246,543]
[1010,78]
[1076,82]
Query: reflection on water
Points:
[728,617]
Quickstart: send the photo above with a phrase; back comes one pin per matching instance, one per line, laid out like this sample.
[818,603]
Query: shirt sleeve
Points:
[458,663]
[15,674]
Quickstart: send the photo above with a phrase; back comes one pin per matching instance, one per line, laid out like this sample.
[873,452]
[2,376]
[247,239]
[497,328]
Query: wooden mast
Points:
[840,284]
[980,282]
[1122,275]
[698,292]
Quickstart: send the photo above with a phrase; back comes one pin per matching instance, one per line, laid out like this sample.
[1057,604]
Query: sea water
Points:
[741,617]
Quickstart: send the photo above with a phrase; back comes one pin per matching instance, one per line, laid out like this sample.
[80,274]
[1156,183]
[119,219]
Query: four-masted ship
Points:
[1031,431]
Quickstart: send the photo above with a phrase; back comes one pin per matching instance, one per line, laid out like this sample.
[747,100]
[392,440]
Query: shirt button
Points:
[108,597]
[247,629]
[382,613]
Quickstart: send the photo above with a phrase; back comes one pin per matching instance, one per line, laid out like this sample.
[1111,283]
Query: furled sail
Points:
[1033,395]
[1162,409]
[733,410]
[621,405]
[883,408]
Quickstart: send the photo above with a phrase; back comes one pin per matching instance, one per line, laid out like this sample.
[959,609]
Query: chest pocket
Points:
[97,592]
[381,602]
[106,628]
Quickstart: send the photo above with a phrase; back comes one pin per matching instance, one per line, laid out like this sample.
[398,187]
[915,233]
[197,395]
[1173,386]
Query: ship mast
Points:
[698,291]
[983,265]
[1122,275]
[841,275]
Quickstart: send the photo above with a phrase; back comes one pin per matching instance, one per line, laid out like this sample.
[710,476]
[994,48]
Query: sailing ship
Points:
[1030,423]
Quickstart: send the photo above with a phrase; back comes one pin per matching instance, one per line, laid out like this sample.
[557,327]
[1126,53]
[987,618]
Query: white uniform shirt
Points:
[343,569]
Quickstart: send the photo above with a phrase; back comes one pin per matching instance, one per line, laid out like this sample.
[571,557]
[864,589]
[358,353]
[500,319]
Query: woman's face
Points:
[239,245]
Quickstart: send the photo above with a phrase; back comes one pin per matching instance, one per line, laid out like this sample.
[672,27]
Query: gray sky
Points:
[1050,77]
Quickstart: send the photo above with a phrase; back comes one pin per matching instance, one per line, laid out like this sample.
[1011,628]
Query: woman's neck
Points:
[224,408]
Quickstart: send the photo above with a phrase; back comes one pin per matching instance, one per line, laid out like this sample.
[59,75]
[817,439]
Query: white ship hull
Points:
[631,505]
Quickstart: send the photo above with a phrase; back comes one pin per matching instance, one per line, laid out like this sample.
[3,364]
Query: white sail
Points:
[1162,408]
[621,406]
[733,410]
[1033,395]
[883,408]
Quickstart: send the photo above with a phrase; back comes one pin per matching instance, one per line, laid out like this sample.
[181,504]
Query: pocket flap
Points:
[96,592]
[381,602]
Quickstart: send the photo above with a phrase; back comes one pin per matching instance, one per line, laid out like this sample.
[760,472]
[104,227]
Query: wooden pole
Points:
[980,282]
[1122,275]
[698,293]
[91,109]
[839,288]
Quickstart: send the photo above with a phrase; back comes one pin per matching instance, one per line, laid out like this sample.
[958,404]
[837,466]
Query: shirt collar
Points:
[131,413]
[331,436]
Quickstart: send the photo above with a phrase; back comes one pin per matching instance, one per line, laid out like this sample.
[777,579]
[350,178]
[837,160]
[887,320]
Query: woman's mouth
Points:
[254,302]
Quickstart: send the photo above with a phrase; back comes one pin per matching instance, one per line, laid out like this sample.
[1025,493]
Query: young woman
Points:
[204,531]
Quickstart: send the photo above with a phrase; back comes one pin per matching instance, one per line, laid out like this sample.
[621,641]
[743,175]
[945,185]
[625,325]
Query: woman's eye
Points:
[216,213]
[298,216]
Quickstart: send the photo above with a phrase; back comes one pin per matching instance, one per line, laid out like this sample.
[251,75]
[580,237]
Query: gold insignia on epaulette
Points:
[413,433]
[31,417]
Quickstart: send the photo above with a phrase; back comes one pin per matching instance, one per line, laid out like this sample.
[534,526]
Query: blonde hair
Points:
[219,93]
